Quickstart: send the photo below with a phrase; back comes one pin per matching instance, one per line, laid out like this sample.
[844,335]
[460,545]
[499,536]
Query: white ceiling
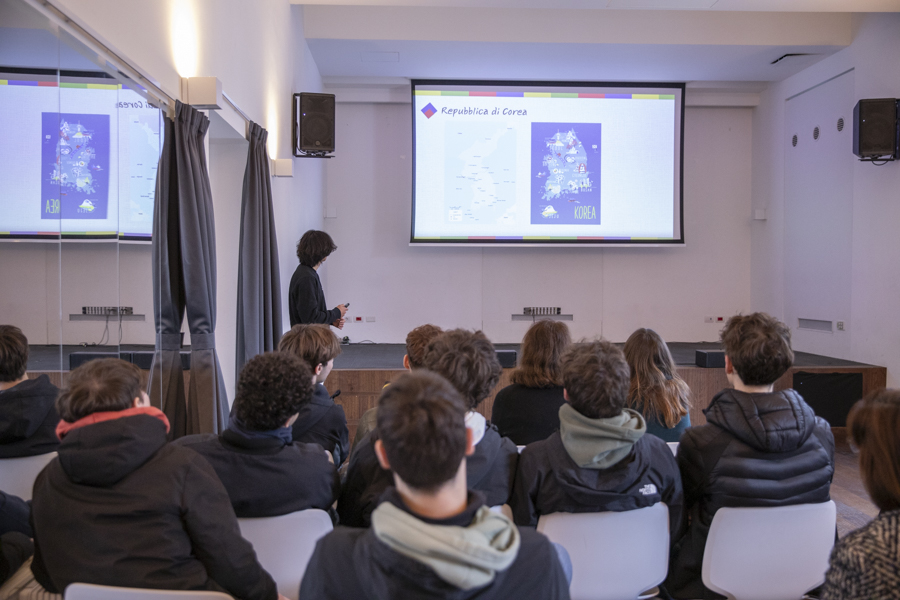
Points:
[489,39]
[715,5]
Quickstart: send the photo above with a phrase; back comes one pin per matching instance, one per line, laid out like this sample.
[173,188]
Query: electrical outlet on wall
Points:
[840,325]
[713,319]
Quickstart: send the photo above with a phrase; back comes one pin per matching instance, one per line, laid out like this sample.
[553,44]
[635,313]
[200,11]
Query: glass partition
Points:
[78,166]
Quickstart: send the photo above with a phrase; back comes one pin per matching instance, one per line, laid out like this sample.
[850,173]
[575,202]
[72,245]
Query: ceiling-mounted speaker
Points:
[313,124]
[875,129]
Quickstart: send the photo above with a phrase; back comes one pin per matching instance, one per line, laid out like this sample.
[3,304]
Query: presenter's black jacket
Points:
[759,450]
[264,476]
[526,414]
[324,423]
[121,507]
[549,481]
[490,470]
[306,300]
[354,563]
[28,418]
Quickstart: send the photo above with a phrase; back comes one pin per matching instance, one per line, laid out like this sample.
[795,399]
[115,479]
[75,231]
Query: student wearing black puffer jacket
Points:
[27,416]
[759,447]
[121,507]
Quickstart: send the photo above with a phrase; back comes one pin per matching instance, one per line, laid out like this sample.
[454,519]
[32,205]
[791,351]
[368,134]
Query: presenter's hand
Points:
[339,324]
[343,310]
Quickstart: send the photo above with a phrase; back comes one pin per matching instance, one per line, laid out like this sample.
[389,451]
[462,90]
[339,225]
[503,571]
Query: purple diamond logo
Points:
[429,110]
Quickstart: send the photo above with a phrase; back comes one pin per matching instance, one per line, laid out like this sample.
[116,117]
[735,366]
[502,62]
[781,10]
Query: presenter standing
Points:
[306,300]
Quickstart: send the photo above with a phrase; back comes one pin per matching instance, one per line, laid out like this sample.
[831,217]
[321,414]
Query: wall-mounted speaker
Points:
[875,129]
[313,124]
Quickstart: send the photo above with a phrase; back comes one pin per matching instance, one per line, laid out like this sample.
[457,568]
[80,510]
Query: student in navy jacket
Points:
[601,459]
[321,421]
[265,472]
[27,416]
[431,537]
[306,300]
[469,362]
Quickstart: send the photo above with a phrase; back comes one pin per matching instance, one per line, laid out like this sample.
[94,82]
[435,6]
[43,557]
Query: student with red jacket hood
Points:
[120,507]
[27,416]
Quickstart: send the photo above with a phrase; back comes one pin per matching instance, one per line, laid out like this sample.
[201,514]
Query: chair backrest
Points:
[17,475]
[777,553]
[86,591]
[520,448]
[615,555]
[285,544]
[673,446]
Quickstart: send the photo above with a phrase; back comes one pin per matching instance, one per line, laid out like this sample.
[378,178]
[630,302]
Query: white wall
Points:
[874,267]
[611,292]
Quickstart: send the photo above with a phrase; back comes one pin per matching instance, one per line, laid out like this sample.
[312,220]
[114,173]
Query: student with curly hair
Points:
[656,391]
[306,299]
[265,471]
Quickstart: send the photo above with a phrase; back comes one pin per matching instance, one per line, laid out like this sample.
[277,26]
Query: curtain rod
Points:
[236,108]
[113,60]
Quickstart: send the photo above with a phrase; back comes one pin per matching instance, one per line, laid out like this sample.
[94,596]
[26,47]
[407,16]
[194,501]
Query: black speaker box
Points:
[313,123]
[710,359]
[507,358]
[875,128]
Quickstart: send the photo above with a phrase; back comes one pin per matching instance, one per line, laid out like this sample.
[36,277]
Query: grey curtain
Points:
[166,386]
[259,282]
[189,263]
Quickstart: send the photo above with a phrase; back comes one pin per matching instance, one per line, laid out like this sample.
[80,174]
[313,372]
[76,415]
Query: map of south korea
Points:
[565,169]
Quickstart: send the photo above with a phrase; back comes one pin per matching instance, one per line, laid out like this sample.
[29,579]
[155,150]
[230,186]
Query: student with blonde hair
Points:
[528,410]
[656,390]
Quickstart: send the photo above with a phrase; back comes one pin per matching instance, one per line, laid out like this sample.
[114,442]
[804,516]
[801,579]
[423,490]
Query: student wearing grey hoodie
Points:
[431,537]
[600,459]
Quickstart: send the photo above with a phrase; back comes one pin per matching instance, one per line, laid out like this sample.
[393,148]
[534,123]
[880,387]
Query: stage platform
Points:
[361,370]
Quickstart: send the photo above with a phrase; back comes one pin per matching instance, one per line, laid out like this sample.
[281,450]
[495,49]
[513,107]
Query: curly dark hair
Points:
[314,247]
[421,422]
[467,360]
[13,353]
[759,346]
[596,379]
[417,342]
[272,388]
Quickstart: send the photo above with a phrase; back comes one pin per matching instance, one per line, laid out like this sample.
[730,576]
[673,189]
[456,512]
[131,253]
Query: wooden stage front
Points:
[360,388]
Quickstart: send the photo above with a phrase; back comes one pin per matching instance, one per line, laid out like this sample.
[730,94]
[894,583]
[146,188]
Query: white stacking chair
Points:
[615,555]
[673,446]
[17,475]
[86,591]
[771,553]
[285,544]
[520,448]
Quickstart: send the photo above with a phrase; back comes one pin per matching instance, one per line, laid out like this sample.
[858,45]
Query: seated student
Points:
[417,342]
[759,447]
[656,391]
[528,410]
[600,459]
[14,514]
[321,421]
[265,472]
[865,564]
[121,507]
[27,416]
[430,537]
[469,362]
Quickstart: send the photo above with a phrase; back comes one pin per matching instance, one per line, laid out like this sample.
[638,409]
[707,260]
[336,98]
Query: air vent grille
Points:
[815,325]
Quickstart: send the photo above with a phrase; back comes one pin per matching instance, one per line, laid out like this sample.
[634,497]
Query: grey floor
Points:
[390,356]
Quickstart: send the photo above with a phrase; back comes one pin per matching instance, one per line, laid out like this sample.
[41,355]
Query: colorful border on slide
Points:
[545,95]
[535,238]
[83,86]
